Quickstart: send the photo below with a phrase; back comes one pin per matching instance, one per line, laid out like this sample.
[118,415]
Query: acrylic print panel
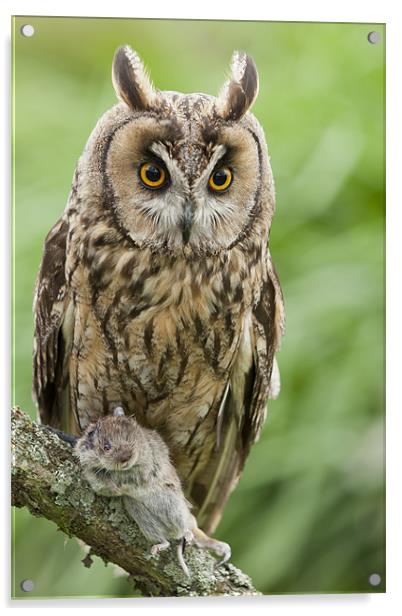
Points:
[307,514]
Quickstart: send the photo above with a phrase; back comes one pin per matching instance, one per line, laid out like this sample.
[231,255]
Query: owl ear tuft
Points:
[240,91]
[131,81]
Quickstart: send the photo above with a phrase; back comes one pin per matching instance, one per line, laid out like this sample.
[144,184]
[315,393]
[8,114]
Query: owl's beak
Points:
[187,220]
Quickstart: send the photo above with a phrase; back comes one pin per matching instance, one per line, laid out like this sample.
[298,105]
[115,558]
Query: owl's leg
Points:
[220,548]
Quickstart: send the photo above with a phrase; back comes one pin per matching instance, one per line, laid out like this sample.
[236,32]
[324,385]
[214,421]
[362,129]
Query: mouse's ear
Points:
[119,411]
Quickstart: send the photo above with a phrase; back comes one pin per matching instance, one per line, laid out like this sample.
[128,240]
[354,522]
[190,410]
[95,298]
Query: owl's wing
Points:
[267,328]
[53,331]
[254,379]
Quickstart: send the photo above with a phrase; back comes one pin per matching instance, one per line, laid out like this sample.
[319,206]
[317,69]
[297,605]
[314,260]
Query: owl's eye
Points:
[152,175]
[220,179]
[107,446]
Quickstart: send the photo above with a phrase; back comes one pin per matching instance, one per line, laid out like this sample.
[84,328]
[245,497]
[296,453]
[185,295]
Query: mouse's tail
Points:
[180,555]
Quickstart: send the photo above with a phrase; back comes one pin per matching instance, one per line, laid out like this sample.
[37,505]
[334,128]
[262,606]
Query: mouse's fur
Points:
[121,458]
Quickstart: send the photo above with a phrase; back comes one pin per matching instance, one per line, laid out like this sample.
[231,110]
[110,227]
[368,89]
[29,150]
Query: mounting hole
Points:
[375,579]
[27,30]
[373,37]
[27,585]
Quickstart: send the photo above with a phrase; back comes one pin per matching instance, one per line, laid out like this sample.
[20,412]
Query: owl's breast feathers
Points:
[166,327]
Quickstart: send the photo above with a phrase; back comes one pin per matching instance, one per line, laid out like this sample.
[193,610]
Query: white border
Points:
[285,10]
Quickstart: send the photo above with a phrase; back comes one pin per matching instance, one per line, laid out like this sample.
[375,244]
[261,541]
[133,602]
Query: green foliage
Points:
[308,513]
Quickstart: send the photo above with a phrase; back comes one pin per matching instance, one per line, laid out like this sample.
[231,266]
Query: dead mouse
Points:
[119,457]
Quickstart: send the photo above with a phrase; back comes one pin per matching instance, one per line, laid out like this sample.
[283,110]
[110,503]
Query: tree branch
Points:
[47,479]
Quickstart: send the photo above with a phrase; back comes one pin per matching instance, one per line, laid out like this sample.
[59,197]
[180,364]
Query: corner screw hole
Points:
[27,30]
[27,585]
[375,579]
[373,37]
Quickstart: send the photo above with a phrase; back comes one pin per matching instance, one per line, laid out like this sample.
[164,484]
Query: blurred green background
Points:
[308,513]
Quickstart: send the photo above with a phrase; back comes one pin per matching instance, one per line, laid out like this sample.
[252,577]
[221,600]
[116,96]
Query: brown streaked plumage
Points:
[165,301]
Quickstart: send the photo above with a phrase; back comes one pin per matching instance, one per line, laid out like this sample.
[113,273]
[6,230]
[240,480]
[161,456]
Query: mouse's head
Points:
[113,442]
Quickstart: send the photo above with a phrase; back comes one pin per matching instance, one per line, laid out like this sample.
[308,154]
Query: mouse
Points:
[119,457]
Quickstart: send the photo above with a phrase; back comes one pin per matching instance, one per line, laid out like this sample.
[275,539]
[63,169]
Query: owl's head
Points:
[185,173]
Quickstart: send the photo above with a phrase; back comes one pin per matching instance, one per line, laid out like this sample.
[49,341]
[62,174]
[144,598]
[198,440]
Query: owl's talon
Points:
[220,548]
[225,551]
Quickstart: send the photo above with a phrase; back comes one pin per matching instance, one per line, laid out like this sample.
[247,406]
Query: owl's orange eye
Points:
[152,175]
[220,179]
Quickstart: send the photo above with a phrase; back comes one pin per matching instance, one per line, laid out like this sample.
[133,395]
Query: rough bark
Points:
[47,479]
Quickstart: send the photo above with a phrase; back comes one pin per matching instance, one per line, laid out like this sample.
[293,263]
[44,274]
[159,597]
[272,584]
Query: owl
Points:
[156,290]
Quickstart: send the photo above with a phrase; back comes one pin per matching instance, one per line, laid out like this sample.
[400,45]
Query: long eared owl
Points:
[156,290]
